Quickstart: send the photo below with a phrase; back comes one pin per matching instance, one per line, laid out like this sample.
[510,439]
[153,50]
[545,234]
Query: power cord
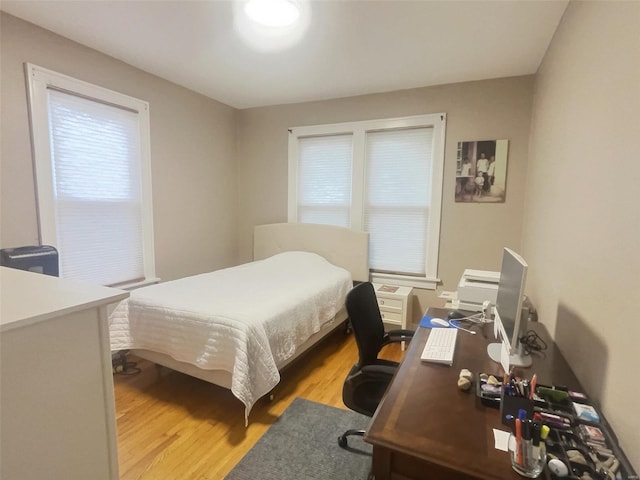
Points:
[532,342]
[475,318]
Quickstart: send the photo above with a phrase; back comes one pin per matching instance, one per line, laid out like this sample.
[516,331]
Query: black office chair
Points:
[368,379]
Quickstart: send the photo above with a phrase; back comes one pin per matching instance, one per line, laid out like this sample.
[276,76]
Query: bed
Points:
[239,327]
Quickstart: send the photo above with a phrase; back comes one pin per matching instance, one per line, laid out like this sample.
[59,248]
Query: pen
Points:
[516,388]
[534,382]
[556,420]
[510,418]
[508,389]
[524,388]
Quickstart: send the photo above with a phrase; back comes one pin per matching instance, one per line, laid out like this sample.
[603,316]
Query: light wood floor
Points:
[172,426]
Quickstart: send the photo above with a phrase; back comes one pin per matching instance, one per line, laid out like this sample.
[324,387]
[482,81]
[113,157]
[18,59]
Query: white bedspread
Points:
[245,320]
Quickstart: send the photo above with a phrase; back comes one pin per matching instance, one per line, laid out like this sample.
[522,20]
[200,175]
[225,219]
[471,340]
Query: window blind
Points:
[96,161]
[398,192]
[324,180]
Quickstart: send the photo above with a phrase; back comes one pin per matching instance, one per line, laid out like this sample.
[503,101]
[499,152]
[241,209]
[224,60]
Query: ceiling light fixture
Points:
[272,13]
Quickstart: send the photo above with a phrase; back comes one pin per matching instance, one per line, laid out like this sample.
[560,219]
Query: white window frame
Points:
[39,80]
[358,130]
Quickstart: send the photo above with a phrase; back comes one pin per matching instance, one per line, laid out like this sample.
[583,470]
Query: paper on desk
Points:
[501,439]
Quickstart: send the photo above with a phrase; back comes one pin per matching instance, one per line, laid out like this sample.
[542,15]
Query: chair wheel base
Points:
[342,439]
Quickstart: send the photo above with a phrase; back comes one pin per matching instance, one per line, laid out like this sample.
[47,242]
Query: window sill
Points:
[406,281]
[143,283]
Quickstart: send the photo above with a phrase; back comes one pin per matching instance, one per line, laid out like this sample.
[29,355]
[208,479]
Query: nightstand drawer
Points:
[390,302]
[392,317]
[394,303]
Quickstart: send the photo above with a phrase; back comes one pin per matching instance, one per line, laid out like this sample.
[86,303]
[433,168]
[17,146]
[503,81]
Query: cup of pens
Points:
[526,445]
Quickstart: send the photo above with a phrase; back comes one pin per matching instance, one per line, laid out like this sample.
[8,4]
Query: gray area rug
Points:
[303,445]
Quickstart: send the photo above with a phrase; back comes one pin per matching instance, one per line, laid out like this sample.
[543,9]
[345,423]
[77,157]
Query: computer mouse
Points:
[455,314]
[558,467]
[440,322]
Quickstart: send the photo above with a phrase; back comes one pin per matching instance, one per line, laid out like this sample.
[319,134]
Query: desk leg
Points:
[381,463]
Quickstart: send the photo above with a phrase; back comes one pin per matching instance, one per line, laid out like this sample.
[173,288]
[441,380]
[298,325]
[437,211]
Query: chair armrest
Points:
[378,371]
[395,336]
[390,363]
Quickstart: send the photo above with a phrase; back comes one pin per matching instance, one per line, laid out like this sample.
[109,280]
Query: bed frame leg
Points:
[347,327]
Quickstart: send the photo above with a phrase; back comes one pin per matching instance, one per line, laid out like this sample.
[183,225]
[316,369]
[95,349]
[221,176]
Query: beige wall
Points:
[582,223]
[472,235]
[194,172]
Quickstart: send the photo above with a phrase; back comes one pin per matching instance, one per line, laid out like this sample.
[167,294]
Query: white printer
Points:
[476,287]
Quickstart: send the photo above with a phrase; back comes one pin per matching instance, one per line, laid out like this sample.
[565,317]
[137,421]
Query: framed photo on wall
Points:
[481,171]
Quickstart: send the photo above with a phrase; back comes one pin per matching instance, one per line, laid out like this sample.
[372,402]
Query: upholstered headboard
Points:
[343,247]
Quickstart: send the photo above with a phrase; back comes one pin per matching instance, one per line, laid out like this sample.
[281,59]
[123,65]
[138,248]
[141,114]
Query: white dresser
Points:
[394,303]
[56,386]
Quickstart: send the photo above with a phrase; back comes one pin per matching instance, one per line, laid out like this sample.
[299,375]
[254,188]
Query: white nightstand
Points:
[394,303]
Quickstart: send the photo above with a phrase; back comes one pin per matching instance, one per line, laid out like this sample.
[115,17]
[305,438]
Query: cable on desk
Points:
[532,342]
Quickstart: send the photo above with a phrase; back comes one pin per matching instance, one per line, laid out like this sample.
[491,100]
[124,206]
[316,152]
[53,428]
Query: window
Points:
[383,177]
[93,179]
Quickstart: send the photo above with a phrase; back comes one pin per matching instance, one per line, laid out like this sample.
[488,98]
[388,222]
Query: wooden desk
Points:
[425,428]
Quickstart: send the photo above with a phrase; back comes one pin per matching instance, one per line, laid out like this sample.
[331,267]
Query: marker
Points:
[519,459]
[527,449]
[544,431]
[535,437]
[538,448]
[556,420]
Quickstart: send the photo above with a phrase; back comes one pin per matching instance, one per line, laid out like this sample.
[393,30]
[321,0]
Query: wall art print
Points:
[481,171]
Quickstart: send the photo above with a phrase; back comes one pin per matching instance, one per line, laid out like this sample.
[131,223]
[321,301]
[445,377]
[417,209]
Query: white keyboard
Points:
[441,346]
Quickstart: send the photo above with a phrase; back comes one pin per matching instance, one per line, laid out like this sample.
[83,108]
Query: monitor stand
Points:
[518,359]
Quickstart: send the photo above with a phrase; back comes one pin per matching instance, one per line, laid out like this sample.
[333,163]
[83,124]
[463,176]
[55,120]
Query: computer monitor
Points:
[510,325]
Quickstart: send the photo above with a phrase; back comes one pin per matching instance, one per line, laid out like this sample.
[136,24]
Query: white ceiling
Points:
[350,47]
